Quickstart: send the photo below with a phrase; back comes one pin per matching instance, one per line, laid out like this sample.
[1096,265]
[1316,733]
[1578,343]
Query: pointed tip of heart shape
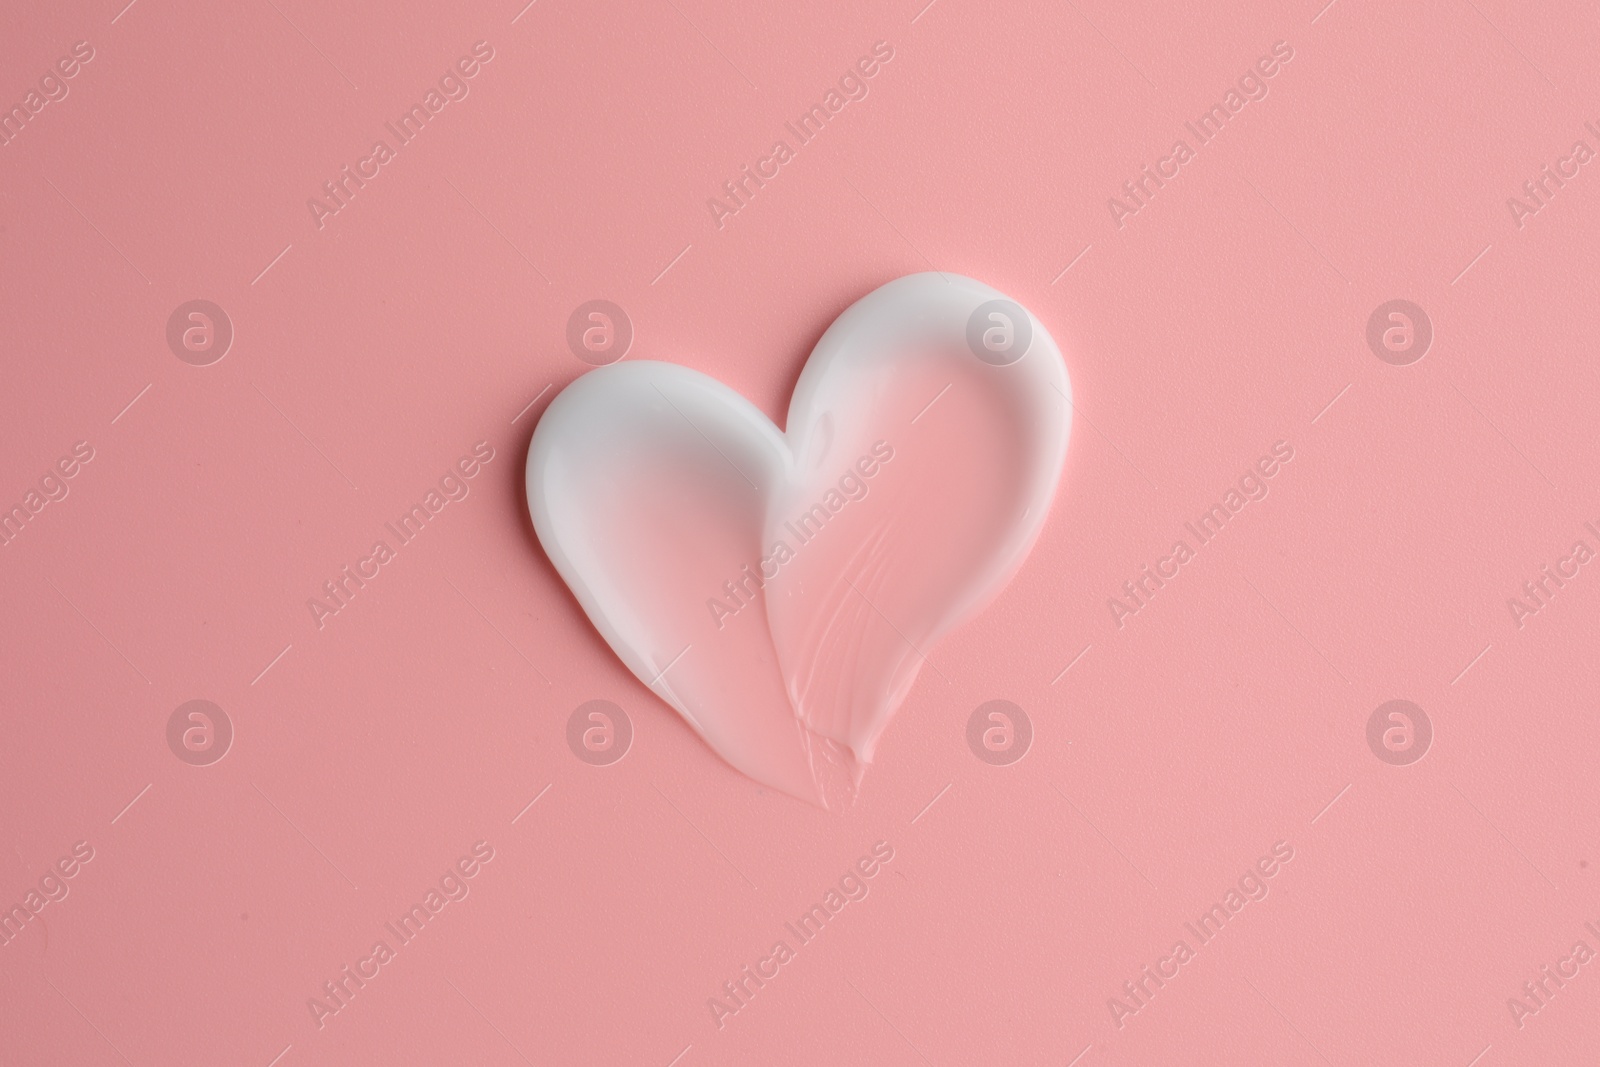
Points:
[783,590]
[836,773]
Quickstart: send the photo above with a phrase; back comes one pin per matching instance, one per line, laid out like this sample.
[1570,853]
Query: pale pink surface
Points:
[1220,719]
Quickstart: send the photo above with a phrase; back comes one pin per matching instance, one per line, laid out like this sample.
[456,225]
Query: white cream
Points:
[781,590]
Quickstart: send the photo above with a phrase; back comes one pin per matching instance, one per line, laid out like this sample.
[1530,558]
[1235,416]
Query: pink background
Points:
[1224,717]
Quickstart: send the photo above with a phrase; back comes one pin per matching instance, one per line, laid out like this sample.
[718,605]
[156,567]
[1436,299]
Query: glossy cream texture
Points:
[784,590]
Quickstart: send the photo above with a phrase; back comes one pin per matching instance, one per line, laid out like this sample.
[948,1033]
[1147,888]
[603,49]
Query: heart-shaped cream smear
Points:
[782,590]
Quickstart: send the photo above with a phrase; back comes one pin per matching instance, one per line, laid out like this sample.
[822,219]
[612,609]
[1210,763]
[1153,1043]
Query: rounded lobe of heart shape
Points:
[783,590]
[922,476]
[647,486]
